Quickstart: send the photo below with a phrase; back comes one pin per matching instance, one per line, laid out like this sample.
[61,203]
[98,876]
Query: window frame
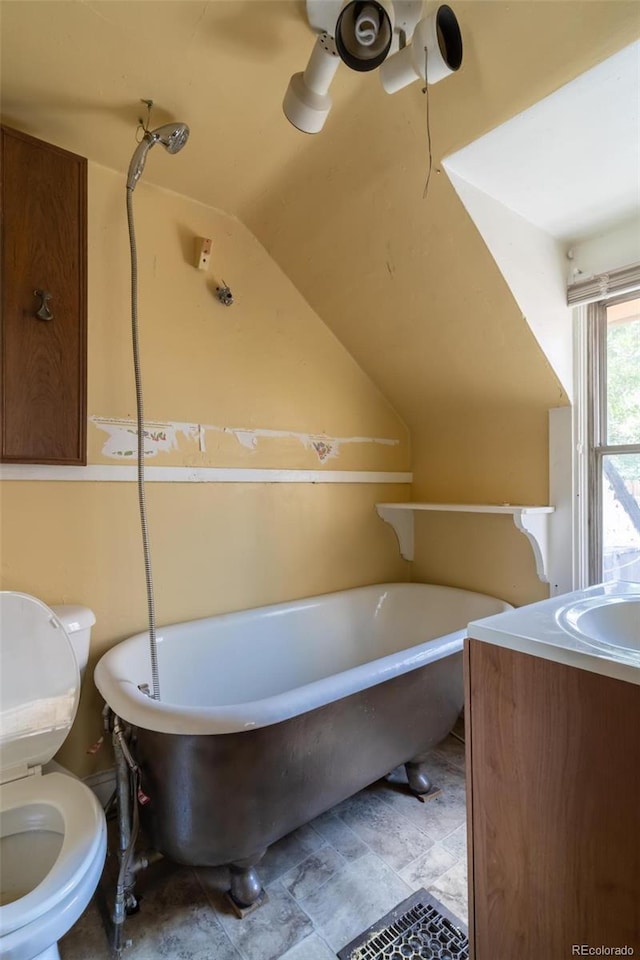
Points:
[594,338]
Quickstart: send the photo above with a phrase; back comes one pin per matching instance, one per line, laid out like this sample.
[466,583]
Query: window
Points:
[613,428]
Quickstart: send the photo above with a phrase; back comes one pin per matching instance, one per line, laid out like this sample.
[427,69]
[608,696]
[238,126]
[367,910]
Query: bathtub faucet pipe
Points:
[127,785]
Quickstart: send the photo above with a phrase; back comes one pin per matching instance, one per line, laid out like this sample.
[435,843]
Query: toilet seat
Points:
[84,839]
[39,692]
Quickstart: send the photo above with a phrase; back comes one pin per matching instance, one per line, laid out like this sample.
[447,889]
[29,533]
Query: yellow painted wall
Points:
[416,295]
[481,452]
[405,283]
[267,362]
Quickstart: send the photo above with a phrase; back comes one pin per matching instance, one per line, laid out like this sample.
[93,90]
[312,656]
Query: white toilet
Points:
[53,834]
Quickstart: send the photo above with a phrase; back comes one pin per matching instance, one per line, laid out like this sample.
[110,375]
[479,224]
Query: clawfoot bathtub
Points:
[269,717]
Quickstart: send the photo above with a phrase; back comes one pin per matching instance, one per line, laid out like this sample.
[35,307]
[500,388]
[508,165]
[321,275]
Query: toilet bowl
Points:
[52,828]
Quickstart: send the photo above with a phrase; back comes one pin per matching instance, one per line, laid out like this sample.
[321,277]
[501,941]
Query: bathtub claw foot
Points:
[241,911]
[246,891]
[419,781]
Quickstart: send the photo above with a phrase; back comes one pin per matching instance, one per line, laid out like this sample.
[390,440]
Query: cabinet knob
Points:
[43,312]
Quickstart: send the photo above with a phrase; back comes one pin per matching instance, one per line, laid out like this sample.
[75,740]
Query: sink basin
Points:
[609,621]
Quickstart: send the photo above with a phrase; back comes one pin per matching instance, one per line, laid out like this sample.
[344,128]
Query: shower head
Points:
[172,136]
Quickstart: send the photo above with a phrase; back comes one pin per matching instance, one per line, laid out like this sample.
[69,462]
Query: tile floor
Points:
[326,882]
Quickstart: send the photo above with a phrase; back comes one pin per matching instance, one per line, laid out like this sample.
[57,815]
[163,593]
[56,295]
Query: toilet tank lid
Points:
[74,617]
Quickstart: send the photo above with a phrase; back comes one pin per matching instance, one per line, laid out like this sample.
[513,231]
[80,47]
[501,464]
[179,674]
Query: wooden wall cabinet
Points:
[553,771]
[44,247]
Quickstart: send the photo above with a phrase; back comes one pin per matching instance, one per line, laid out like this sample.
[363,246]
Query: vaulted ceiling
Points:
[403,279]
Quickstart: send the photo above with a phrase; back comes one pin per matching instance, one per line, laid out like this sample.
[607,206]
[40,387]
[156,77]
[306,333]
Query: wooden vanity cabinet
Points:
[553,779]
[44,341]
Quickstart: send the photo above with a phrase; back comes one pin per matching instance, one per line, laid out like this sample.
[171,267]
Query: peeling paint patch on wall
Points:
[122,437]
[122,441]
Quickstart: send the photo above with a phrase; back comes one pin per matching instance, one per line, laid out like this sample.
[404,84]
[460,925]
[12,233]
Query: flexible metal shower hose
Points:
[153,648]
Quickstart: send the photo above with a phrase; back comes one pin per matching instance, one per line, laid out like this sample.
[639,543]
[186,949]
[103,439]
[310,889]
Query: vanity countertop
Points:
[597,629]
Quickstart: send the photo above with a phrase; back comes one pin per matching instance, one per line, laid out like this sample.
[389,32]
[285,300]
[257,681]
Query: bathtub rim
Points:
[130,704]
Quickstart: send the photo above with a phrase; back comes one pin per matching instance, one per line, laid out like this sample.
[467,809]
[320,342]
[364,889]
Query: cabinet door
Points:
[554,807]
[44,215]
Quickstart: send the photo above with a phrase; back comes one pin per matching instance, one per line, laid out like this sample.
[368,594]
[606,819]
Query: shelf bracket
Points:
[533,522]
[535,527]
[402,523]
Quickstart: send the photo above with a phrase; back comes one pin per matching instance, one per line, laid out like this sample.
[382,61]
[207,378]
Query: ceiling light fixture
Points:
[434,53]
[307,102]
[367,34]
[364,33]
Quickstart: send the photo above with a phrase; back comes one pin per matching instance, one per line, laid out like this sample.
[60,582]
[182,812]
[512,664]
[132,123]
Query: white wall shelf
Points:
[530,520]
